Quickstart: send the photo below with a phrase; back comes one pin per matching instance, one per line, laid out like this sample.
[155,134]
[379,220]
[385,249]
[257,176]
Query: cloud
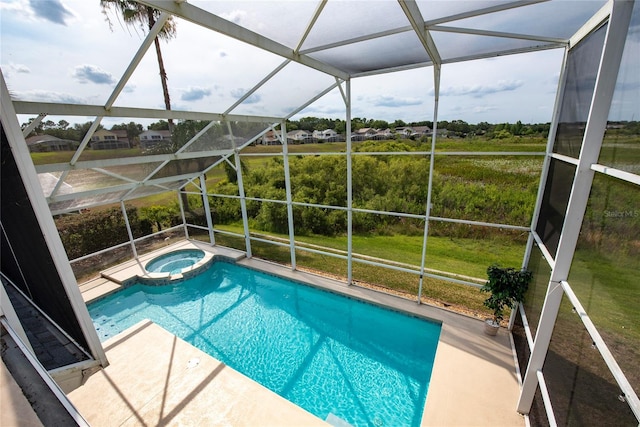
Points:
[49,96]
[240,92]
[479,91]
[51,10]
[90,73]
[195,94]
[234,16]
[483,109]
[393,101]
[12,68]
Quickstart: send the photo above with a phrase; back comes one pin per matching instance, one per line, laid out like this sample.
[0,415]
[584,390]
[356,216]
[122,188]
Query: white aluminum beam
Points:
[315,17]
[121,187]
[257,86]
[594,22]
[349,187]
[501,34]
[617,173]
[436,85]
[484,11]
[213,22]
[125,161]
[412,11]
[314,99]
[34,124]
[132,242]
[54,109]
[287,184]
[207,209]
[142,50]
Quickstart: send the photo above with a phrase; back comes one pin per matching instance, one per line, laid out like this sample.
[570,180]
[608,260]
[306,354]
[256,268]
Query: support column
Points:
[436,84]
[184,220]
[349,188]
[126,223]
[207,209]
[287,183]
[243,200]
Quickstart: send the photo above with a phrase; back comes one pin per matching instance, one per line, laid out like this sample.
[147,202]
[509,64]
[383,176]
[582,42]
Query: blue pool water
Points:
[328,354]
[174,262]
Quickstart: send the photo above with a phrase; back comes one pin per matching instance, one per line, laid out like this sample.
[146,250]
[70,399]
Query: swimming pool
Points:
[338,358]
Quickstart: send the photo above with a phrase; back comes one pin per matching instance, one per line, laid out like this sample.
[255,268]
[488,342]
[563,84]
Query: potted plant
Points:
[507,287]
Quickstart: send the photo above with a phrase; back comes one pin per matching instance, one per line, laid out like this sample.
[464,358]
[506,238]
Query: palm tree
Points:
[135,14]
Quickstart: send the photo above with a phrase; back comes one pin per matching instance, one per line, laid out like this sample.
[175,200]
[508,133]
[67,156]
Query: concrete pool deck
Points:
[150,380]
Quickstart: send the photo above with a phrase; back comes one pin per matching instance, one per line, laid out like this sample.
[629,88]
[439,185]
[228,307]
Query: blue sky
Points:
[65,51]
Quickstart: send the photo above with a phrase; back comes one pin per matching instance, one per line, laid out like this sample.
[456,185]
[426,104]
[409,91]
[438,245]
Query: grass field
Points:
[463,256]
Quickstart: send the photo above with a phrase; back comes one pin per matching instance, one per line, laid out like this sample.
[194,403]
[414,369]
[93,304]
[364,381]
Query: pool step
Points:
[97,288]
[336,421]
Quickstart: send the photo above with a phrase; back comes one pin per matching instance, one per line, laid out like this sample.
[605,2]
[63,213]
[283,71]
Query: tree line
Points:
[76,132]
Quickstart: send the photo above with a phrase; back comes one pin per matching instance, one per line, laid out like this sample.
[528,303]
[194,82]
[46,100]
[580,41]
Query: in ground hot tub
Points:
[176,262]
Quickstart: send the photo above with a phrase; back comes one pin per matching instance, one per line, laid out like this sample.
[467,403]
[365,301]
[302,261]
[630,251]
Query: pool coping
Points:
[474,380]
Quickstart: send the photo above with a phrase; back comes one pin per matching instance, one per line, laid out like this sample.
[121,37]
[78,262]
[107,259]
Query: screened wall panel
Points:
[554,203]
[621,146]
[559,19]
[521,346]
[534,298]
[320,223]
[455,46]
[377,180]
[319,179]
[385,278]
[346,20]
[185,166]
[494,189]
[264,177]
[377,53]
[581,387]
[582,67]
[26,257]
[78,203]
[323,264]
[135,172]
[468,250]
[605,269]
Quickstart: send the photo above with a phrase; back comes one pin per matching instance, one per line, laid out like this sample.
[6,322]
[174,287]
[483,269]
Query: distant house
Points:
[364,134]
[300,137]
[152,140]
[44,143]
[383,135]
[109,139]
[415,132]
[269,138]
[327,135]
[442,132]
[422,131]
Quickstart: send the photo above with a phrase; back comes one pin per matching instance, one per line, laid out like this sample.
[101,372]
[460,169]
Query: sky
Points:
[66,51]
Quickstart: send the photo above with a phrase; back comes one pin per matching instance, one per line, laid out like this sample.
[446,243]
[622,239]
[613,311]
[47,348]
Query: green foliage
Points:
[490,190]
[507,287]
[502,134]
[92,231]
[158,215]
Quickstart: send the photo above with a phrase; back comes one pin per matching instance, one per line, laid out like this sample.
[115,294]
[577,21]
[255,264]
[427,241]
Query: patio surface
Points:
[153,377]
